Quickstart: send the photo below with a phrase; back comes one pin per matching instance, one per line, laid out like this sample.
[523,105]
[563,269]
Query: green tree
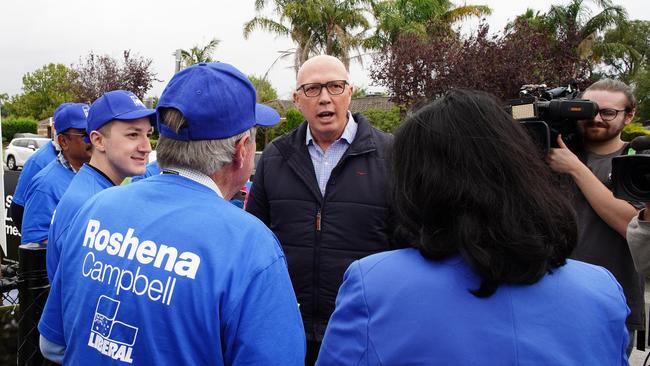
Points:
[641,83]
[573,24]
[418,17]
[198,54]
[44,89]
[265,91]
[332,27]
[625,49]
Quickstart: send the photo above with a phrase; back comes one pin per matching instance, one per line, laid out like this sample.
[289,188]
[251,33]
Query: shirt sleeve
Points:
[265,327]
[37,217]
[346,337]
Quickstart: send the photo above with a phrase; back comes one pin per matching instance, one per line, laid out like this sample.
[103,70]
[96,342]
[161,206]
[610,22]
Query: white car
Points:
[20,149]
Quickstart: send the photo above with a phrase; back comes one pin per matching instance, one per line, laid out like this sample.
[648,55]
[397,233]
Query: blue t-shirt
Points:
[165,272]
[399,308]
[43,156]
[42,196]
[86,183]
[152,169]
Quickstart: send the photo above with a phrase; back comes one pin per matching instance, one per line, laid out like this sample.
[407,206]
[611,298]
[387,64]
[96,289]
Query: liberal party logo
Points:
[109,336]
[85,109]
[137,101]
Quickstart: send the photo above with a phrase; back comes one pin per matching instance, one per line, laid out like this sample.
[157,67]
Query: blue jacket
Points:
[398,308]
[33,165]
[86,183]
[165,272]
[42,196]
[321,236]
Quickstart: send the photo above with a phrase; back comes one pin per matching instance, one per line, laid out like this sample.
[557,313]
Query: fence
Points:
[24,287]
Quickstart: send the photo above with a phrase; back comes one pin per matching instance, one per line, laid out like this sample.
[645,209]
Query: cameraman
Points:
[638,236]
[602,218]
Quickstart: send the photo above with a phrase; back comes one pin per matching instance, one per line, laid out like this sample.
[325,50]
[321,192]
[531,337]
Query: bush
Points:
[292,119]
[12,126]
[633,130]
[153,142]
[384,120]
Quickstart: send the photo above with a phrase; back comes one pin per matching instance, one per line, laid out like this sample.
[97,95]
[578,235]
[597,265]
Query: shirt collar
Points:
[196,176]
[348,133]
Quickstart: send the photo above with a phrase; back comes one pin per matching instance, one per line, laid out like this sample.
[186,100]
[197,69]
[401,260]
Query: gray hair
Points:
[615,86]
[206,156]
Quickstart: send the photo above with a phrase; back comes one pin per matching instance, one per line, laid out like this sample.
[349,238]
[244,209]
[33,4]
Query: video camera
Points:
[631,173]
[546,112]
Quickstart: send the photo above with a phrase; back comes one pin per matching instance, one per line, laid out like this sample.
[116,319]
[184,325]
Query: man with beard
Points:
[602,218]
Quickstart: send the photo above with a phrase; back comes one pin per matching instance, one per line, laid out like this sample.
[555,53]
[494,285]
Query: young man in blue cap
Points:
[119,126]
[167,271]
[47,187]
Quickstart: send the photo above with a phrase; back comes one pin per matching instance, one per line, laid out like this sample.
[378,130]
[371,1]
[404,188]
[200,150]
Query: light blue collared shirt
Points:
[325,161]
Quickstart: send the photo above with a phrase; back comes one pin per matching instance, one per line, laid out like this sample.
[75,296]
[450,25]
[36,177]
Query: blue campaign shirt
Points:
[399,308]
[165,272]
[43,156]
[42,196]
[152,169]
[85,184]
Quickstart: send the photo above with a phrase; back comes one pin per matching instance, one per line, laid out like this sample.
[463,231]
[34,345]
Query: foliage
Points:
[420,18]
[641,85]
[625,49]
[633,130]
[198,54]
[98,74]
[359,91]
[384,120]
[44,89]
[291,120]
[415,70]
[332,27]
[12,126]
[265,91]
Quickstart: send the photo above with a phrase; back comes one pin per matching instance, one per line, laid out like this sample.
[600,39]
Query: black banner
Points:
[12,233]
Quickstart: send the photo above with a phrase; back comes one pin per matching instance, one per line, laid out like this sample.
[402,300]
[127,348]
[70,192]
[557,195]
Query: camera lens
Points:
[640,178]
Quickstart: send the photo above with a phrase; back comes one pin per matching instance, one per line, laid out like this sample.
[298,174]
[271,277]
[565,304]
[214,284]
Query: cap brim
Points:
[266,116]
[137,114]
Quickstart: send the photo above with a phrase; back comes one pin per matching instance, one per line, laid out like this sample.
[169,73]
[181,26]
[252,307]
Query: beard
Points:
[600,131]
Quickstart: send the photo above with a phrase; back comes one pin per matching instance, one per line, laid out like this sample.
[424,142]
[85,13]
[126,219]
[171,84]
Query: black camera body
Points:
[631,173]
[546,112]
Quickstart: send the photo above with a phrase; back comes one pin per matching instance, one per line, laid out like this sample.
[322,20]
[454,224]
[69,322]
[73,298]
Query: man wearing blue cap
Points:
[166,271]
[47,187]
[119,126]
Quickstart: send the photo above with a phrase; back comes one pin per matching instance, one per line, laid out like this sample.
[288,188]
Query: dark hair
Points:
[468,180]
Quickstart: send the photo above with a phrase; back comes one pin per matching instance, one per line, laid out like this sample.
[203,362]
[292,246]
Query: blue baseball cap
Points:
[217,101]
[117,105]
[70,115]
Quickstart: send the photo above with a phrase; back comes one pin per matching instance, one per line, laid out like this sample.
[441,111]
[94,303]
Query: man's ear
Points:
[63,142]
[629,116]
[98,141]
[241,151]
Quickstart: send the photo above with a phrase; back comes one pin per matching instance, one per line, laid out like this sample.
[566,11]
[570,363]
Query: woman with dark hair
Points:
[486,280]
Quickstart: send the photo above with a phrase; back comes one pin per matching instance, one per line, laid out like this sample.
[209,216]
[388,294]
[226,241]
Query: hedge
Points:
[12,126]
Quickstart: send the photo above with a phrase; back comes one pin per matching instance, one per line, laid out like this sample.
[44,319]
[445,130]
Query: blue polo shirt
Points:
[42,196]
[166,272]
[33,165]
[152,169]
[85,184]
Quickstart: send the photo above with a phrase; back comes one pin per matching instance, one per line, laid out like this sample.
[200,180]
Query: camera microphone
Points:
[641,143]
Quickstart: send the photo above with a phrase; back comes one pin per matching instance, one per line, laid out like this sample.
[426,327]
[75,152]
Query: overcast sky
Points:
[34,33]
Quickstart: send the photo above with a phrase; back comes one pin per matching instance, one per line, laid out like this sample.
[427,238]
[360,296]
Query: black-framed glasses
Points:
[335,87]
[608,114]
[75,134]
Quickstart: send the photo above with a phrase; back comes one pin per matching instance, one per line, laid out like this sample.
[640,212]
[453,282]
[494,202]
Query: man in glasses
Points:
[47,187]
[324,191]
[119,126]
[602,218]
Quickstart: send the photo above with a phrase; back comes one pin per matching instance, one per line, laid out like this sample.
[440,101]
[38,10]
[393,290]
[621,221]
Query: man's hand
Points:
[562,160]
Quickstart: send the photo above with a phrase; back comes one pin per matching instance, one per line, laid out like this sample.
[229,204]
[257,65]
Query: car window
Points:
[41,142]
[19,143]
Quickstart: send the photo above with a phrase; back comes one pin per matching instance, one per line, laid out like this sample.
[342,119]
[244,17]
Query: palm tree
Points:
[198,54]
[333,27]
[573,23]
[422,18]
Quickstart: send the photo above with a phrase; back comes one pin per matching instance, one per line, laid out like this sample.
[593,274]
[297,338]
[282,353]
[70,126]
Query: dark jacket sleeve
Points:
[258,203]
